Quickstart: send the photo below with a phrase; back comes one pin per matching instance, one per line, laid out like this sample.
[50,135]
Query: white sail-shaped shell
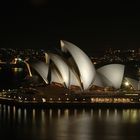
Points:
[47,58]
[84,64]
[74,80]
[62,67]
[56,77]
[98,81]
[101,81]
[42,69]
[114,73]
[134,83]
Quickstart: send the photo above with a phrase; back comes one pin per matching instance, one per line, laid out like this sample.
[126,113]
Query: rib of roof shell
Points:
[113,73]
[56,77]
[42,69]
[101,81]
[74,80]
[83,62]
[61,66]
[68,75]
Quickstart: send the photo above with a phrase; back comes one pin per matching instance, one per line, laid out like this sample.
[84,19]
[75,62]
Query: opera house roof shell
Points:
[78,70]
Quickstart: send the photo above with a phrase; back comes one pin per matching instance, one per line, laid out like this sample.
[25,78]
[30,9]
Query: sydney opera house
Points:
[73,77]
[77,70]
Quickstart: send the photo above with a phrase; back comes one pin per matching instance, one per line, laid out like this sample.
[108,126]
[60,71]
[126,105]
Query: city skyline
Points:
[41,24]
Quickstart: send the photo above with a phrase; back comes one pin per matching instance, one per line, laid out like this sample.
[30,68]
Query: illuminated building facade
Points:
[79,71]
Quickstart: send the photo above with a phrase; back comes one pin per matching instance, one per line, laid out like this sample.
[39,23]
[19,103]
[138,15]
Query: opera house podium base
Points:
[58,97]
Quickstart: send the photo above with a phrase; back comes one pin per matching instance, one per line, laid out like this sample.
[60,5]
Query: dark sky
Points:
[91,26]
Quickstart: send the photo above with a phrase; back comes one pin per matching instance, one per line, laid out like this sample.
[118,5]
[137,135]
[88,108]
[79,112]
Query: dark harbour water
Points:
[11,77]
[69,124]
[64,124]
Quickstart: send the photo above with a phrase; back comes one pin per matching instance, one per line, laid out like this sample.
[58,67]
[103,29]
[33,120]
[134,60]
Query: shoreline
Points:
[58,105]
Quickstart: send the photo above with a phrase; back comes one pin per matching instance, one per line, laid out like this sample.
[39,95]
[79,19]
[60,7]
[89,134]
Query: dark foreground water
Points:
[11,77]
[69,124]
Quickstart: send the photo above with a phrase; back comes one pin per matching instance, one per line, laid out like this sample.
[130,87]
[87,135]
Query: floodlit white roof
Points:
[74,80]
[47,58]
[83,62]
[62,67]
[101,81]
[56,77]
[79,70]
[42,69]
[113,73]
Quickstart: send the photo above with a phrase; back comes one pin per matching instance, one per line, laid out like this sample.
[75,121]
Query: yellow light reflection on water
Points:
[66,113]
[59,113]
[25,115]
[134,116]
[17,69]
[33,119]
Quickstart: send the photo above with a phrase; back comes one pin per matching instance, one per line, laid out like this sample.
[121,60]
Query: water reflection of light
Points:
[99,113]
[50,113]
[83,112]
[91,112]
[75,112]
[126,114]
[4,111]
[19,115]
[115,115]
[83,127]
[82,124]
[59,113]
[130,115]
[107,113]
[25,115]
[134,115]
[33,116]
[43,129]
[17,69]
[8,112]
[14,111]
[42,116]
[66,113]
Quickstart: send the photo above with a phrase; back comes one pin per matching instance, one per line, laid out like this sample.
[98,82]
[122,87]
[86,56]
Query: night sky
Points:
[91,26]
